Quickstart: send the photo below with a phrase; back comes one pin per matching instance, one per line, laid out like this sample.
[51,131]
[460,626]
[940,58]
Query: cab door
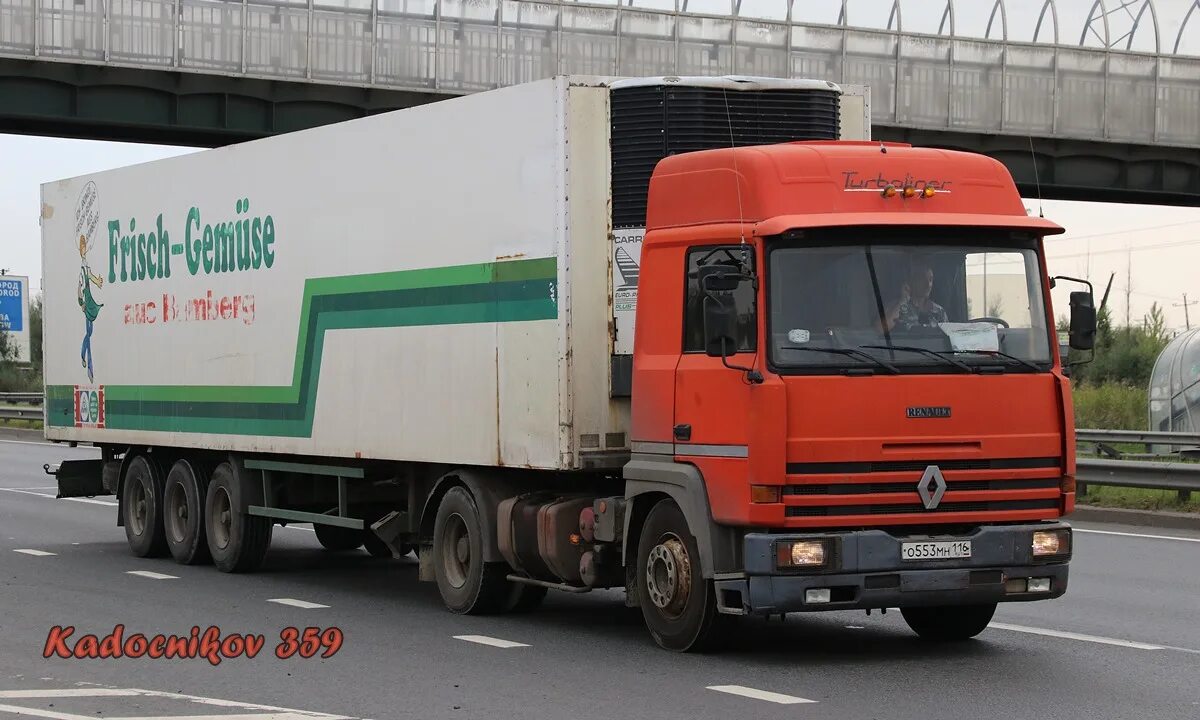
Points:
[712,400]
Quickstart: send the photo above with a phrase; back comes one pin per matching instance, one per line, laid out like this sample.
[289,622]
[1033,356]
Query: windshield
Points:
[903,301]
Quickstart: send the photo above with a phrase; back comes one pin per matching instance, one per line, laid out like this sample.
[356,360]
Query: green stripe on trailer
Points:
[514,291]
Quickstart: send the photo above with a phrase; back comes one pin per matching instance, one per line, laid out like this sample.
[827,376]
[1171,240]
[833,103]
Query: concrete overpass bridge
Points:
[1097,99]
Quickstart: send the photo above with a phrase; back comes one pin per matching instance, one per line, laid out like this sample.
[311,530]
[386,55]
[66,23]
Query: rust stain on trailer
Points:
[499,452]
[47,211]
[515,256]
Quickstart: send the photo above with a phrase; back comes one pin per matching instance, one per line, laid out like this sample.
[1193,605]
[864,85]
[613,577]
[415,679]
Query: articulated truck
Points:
[698,338]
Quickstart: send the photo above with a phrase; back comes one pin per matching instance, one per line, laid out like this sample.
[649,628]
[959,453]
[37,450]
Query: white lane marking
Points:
[254,716]
[95,690]
[493,642]
[750,692]
[297,603]
[1138,535]
[856,627]
[151,575]
[1076,636]
[90,501]
[35,553]
[40,487]
[38,712]
[67,692]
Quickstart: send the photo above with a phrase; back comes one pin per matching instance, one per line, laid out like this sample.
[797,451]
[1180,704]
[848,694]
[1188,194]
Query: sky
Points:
[1153,251]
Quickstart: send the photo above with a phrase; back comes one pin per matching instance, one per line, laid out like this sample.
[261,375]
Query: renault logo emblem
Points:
[932,487]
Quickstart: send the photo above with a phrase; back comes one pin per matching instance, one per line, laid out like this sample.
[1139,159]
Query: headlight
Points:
[1047,543]
[802,553]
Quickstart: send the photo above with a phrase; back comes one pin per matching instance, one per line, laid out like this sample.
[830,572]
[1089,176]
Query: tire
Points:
[678,605]
[141,507]
[186,489]
[468,585]
[950,623]
[237,540]
[338,539]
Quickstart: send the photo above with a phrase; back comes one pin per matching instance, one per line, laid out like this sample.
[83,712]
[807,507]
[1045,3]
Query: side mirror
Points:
[720,315]
[1083,321]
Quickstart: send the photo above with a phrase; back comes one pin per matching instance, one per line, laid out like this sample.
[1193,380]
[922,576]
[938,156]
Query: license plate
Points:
[946,550]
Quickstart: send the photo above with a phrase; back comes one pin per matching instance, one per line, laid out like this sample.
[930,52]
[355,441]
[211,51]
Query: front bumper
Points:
[867,572]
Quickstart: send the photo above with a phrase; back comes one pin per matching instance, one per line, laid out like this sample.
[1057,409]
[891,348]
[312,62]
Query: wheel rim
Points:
[139,502]
[222,517]
[456,551]
[175,511]
[669,576]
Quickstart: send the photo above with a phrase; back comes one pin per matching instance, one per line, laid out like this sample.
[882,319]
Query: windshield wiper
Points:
[994,353]
[849,352]
[923,351]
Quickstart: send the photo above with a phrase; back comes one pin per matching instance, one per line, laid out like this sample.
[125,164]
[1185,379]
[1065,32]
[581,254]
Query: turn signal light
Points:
[889,191]
[927,192]
[765,493]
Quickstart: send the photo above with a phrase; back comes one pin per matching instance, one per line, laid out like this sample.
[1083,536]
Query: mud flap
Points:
[79,478]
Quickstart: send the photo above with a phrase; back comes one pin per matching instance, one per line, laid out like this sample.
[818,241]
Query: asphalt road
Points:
[1123,643]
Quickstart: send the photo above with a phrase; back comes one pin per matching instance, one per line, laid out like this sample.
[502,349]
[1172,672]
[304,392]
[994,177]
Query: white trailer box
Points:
[431,284]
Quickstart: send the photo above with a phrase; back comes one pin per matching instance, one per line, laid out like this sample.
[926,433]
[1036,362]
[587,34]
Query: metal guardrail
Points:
[20,413]
[1184,477]
[1138,437]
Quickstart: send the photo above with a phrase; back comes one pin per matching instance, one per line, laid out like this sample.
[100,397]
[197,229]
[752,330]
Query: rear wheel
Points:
[467,583]
[955,622]
[237,540]
[678,604]
[183,513]
[338,539]
[142,507]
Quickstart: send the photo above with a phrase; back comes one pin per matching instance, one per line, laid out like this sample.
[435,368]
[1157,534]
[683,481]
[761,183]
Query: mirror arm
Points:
[753,376]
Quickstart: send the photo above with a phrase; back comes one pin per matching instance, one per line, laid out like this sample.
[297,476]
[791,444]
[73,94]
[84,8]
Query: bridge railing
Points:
[458,46]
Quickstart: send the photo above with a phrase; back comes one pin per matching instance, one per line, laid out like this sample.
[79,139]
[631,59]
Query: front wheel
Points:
[950,623]
[678,604]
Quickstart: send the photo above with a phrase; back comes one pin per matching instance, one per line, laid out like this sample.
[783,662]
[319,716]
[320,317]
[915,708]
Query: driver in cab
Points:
[915,308]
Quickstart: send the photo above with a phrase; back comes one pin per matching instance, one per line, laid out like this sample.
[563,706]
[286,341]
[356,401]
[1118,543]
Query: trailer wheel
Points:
[142,507]
[338,539]
[237,540]
[183,513]
[950,623]
[678,604]
[467,583]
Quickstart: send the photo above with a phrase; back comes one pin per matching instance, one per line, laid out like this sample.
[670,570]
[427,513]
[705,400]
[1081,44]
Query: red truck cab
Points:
[848,349]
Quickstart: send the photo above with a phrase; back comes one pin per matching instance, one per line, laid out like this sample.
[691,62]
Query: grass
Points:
[1138,499]
[1110,407]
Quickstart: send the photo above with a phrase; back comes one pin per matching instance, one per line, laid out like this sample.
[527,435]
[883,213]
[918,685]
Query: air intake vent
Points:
[651,122]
